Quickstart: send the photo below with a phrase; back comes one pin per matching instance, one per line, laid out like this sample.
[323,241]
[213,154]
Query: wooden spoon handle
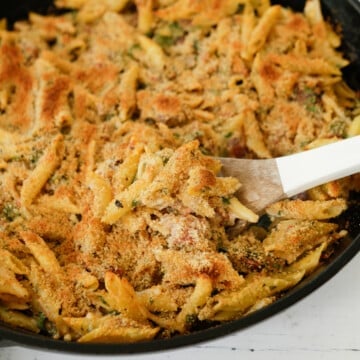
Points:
[304,170]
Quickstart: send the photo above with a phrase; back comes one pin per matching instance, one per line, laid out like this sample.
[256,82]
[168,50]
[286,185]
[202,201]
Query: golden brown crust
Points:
[18,82]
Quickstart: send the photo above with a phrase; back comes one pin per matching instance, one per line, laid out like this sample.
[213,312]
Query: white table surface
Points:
[324,325]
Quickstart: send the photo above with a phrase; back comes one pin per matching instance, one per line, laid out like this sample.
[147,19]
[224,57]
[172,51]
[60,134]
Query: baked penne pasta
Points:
[116,223]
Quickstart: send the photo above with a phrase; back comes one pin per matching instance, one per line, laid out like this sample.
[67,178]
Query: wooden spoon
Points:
[266,181]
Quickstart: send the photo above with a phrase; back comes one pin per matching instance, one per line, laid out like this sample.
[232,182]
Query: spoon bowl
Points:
[267,181]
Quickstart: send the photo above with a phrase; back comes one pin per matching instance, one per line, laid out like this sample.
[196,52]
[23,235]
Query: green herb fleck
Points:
[164,40]
[10,212]
[35,156]
[196,46]
[103,301]
[133,49]
[135,203]
[225,200]
[107,117]
[338,128]
[170,36]
[41,321]
[204,150]
[311,100]
[17,158]
[304,143]
[190,319]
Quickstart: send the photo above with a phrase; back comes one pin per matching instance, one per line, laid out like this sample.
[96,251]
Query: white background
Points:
[324,325]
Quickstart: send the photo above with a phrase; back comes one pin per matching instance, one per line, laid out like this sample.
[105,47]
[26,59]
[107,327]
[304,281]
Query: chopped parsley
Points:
[10,212]
[190,319]
[35,156]
[338,128]
[135,203]
[225,200]
[311,100]
[41,321]
[169,35]
[133,49]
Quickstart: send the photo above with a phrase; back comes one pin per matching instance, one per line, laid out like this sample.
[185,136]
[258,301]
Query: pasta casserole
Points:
[115,223]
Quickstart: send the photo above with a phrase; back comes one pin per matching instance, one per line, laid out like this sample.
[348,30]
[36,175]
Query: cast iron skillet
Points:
[346,13]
